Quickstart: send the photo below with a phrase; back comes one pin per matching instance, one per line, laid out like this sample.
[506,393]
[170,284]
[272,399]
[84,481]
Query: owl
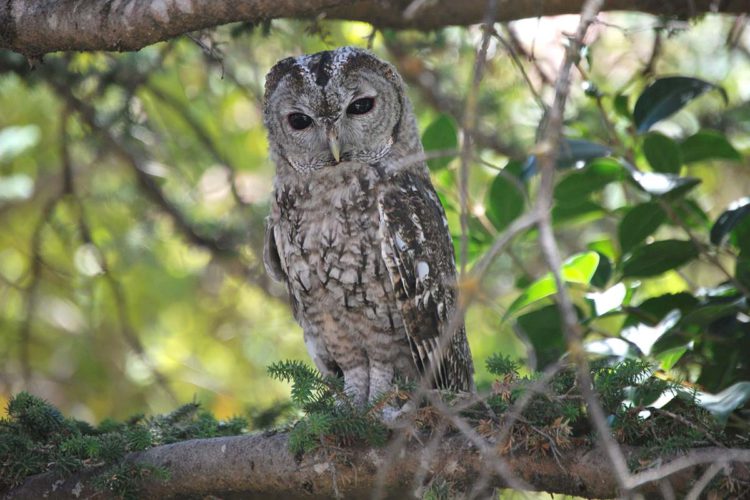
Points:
[356,230]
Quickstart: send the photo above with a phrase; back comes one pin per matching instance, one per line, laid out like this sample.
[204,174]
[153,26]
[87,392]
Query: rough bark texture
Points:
[260,466]
[36,27]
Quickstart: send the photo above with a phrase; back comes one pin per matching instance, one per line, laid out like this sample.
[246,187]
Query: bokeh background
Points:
[133,189]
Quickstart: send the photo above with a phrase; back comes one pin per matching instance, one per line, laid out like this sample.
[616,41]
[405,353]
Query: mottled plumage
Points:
[356,230]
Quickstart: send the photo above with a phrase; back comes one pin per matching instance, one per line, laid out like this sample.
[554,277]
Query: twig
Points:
[648,69]
[32,292]
[518,47]
[549,141]
[468,125]
[496,461]
[425,80]
[118,293]
[694,458]
[202,135]
[220,245]
[517,62]
[700,485]
[210,51]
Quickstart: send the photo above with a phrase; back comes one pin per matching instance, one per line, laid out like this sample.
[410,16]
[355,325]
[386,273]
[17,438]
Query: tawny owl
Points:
[356,230]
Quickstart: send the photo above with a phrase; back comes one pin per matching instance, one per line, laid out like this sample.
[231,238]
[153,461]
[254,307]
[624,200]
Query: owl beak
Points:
[333,143]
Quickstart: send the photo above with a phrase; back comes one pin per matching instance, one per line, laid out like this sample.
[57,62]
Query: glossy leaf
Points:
[742,269]
[580,184]
[667,185]
[639,223]
[608,300]
[583,211]
[708,313]
[571,152]
[690,212]
[668,358]
[708,145]
[725,402]
[441,134]
[579,268]
[654,309]
[505,200]
[612,347]
[603,271]
[645,336]
[733,215]
[657,258]
[666,96]
[622,107]
[662,153]
[543,329]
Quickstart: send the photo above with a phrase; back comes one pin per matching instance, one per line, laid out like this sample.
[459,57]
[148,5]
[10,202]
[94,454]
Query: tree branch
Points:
[35,28]
[261,466]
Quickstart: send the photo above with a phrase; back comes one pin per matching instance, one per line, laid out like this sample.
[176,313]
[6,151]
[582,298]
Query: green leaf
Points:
[690,212]
[441,134]
[622,107]
[666,96]
[581,211]
[708,313]
[662,153]
[667,359]
[727,221]
[603,271]
[603,246]
[571,152]
[505,200]
[708,145]
[639,223]
[742,269]
[652,310]
[657,258]
[543,328]
[741,236]
[579,268]
[667,185]
[578,185]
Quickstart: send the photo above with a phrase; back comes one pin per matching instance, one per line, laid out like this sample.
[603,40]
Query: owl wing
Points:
[418,253]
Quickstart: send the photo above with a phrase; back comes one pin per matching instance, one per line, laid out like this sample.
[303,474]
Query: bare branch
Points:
[35,28]
[261,466]
[548,146]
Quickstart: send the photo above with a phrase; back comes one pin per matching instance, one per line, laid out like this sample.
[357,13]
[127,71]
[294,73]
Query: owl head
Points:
[322,110]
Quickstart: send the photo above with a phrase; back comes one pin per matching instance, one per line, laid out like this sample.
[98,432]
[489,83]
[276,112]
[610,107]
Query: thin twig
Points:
[118,292]
[468,125]
[700,485]
[550,138]
[698,457]
[202,135]
[517,62]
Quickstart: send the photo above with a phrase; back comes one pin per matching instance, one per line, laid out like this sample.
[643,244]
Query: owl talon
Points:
[397,418]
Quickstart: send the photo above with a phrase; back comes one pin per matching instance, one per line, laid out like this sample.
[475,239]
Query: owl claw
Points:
[397,418]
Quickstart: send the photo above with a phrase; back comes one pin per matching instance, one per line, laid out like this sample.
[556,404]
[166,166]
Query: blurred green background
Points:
[133,189]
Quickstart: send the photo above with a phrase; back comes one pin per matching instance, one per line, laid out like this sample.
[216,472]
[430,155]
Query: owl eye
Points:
[361,106]
[299,121]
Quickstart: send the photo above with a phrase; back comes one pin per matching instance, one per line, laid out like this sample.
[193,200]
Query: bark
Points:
[36,27]
[261,466]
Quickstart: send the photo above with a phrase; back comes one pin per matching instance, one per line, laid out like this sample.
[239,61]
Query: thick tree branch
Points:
[34,27]
[261,466]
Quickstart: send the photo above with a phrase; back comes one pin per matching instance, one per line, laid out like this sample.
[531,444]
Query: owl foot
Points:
[397,418]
